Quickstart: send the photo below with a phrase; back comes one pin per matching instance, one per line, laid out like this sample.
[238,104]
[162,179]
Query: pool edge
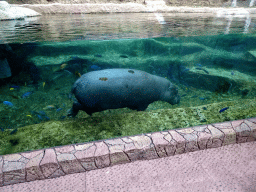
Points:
[76,158]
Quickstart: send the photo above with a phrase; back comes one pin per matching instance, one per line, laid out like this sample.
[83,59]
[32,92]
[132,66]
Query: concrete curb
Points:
[76,158]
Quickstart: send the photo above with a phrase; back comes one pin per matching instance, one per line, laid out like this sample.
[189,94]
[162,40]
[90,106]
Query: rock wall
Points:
[191,3]
[72,1]
[203,3]
[8,11]
[208,3]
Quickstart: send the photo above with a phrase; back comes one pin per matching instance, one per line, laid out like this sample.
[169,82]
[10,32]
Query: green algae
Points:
[110,125]
[230,83]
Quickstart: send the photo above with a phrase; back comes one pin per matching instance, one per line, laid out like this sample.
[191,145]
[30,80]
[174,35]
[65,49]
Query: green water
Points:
[211,73]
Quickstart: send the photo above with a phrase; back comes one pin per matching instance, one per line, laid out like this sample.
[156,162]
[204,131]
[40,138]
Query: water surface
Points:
[63,27]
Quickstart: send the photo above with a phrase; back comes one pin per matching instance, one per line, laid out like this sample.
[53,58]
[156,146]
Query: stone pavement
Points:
[228,168]
[168,163]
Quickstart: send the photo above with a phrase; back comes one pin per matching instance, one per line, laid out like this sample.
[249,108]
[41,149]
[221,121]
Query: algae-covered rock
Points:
[110,125]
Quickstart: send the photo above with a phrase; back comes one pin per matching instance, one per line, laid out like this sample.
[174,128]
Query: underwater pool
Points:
[211,60]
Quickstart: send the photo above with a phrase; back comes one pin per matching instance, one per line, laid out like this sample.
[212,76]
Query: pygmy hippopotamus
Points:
[118,88]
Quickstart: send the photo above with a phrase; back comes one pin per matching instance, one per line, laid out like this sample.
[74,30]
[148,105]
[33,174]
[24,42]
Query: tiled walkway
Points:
[226,169]
[217,156]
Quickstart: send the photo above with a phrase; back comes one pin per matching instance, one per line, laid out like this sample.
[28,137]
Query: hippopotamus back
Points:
[118,88]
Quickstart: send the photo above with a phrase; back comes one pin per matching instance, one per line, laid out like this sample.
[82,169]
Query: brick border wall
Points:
[76,158]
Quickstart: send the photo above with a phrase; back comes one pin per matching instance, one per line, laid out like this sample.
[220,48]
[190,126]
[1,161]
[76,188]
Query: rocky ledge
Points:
[24,8]
[147,6]
[8,11]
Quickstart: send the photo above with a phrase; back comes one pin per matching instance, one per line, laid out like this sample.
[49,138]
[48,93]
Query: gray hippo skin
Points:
[118,88]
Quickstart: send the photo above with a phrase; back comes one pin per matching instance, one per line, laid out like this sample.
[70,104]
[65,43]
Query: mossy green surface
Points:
[106,125]
[211,73]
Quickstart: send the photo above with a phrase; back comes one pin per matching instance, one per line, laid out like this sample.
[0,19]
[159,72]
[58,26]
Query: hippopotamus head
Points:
[171,95]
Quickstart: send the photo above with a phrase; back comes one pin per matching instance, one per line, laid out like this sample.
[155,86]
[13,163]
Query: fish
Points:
[47,118]
[95,67]
[43,84]
[199,65]
[124,56]
[2,129]
[15,86]
[42,113]
[59,67]
[59,109]
[204,108]
[62,117]
[38,113]
[63,66]
[232,73]
[14,131]
[27,94]
[98,55]
[78,74]
[40,117]
[185,70]
[49,107]
[205,71]
[29,115]
[8,103]
[224,109]
[194,96]
[201,98]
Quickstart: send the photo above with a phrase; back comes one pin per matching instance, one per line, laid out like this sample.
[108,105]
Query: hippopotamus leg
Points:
[140,108]
[74,110]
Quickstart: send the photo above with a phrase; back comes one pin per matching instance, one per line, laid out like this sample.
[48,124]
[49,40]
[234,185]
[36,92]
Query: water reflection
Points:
[117,26]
